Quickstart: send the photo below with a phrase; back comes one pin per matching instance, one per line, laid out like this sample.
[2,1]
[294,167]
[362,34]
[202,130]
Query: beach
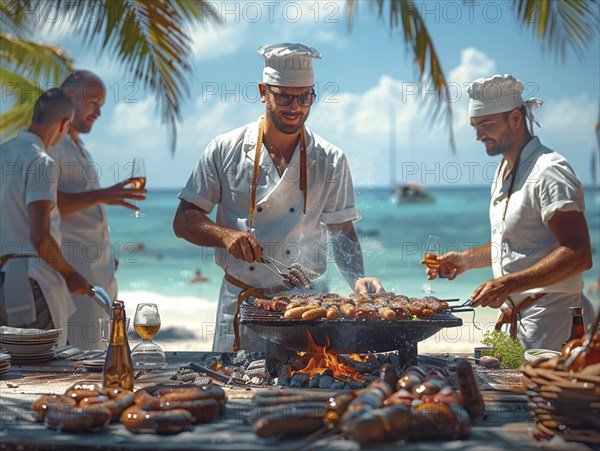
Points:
[157,267]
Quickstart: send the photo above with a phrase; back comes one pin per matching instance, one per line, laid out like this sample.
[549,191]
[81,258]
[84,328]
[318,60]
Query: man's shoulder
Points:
[62,148]
[233,136]
[322,146]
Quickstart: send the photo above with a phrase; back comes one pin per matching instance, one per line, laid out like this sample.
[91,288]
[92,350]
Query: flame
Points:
[218,367]
[358,358]
[322,361]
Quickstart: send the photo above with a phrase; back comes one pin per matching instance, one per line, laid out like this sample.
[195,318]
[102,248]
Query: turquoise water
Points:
[392,237]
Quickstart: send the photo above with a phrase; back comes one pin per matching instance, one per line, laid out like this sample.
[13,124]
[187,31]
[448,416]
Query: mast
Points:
[392,149]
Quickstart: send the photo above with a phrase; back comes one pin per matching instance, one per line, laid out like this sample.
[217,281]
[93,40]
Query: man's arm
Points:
[454,263]
[114,195]
[192,224]
[49,250]
[573,255]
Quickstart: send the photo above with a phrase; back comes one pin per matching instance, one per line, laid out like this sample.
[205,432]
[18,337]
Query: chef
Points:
[540,242]
[281,191]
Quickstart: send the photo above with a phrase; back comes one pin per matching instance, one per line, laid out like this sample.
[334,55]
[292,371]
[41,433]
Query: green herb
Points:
[511,351]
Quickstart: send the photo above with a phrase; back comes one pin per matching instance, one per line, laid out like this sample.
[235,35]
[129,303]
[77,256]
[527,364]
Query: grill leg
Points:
[277,356]
[407,355]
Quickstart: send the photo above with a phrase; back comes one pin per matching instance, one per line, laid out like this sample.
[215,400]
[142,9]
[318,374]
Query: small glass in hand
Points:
[147,354]
[432,251]
[137,180]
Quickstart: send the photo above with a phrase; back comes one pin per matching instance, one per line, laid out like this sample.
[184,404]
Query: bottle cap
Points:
[576,311]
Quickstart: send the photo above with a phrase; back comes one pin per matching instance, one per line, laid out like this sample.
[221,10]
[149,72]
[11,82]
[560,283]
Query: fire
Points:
[322,361]
[218,368]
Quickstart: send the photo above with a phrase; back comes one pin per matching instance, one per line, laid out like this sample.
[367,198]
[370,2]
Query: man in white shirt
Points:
[540,244]
[84,226]
[36,278]
[284,207]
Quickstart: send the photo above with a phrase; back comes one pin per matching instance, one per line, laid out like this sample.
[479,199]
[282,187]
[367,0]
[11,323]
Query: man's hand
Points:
[117,195]
[367,285]
[77,284]
[451,265]
[243,246]
[492,293]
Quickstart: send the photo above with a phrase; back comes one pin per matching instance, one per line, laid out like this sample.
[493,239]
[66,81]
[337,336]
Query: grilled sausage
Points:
[314,313]
[296,313]
[471,398]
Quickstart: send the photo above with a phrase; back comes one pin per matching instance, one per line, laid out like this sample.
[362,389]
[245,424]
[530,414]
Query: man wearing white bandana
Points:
[540,244]
[281,190]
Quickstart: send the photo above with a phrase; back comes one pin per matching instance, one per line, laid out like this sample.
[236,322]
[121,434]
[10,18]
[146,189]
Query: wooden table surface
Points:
[508,423]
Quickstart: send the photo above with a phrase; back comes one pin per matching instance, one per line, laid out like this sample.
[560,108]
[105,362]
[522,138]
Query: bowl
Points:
[534,354]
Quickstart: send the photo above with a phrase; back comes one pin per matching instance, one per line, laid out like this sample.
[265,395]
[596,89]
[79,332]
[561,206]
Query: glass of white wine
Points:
[137,180]
[432,252]
[146,323]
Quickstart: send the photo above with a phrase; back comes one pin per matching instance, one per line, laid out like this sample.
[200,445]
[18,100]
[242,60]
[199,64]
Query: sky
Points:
[365,80]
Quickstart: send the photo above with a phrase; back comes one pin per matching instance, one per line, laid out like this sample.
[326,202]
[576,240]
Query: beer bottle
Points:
[118,367]
[577,327]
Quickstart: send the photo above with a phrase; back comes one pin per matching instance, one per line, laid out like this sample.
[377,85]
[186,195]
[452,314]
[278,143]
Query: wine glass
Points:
[432,251]
[137,180]
[106,328]
[147,354]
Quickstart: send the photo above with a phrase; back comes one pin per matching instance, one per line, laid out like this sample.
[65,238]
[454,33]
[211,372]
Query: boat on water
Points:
[411,193]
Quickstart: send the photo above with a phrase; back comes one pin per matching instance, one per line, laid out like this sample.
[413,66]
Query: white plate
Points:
[28,349]
[90,365]
[17,333]
[4,357]
[32,358]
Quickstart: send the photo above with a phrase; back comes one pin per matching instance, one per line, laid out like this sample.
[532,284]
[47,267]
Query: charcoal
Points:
[299,380]
[353,385]
[326,381]
[338,385]
[314,382]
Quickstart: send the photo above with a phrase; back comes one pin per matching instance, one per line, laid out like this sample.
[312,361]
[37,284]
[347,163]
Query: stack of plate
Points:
[29,345]
[4,362]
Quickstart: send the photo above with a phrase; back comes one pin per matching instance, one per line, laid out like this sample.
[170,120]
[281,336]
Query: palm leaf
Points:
[26,92]
[418,42]
[149,37]
[13,14]
[560,24]
[34,60]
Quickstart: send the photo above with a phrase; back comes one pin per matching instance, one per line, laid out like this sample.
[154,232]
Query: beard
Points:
[500,147]
[285,128]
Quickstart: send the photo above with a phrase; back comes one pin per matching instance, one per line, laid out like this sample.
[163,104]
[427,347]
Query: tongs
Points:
[296,274]
[102,298]
[464,307]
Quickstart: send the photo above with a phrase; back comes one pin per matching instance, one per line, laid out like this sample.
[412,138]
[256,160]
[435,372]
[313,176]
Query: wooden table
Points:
[508,423]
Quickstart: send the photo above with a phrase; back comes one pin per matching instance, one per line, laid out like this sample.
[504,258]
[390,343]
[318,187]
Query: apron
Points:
[234,291]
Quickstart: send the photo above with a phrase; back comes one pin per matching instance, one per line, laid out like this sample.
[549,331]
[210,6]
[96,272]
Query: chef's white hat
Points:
[288,64]
[498,94]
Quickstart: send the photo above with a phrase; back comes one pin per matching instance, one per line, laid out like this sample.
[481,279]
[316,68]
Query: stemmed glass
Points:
[432,251]
[137,180]
[147,354]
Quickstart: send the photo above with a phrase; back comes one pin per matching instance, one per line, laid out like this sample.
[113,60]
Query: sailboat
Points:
[404,193]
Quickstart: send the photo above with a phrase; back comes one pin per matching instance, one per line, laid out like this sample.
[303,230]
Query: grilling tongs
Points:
[296,274]
[464,307]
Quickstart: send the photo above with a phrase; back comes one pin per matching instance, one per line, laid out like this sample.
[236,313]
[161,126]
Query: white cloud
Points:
[473,64]
[214,41]
[134,117]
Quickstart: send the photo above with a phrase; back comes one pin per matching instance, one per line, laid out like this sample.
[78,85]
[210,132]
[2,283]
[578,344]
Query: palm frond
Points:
[26,93]
[560,24]
[404,14]
[14,14]
[34,60]
[149,37]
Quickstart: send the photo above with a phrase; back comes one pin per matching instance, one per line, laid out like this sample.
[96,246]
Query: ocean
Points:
[156,266]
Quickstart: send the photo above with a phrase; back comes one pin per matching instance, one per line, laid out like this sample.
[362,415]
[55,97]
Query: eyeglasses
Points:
[283,99]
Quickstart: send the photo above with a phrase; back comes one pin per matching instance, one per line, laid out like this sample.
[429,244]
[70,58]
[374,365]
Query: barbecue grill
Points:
[286,337]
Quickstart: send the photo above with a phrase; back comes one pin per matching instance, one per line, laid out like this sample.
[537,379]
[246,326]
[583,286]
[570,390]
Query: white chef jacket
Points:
[223,176]
[29,175]
[86,241]
[545,184]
